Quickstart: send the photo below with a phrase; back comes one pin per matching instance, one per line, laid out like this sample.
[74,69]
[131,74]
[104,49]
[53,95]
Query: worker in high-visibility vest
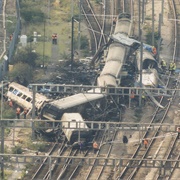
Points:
[55,38]
[25,112]
[154,51]
[143,98]
[172,67]
[18,112]
[95,147]
[145,143]
[163,64]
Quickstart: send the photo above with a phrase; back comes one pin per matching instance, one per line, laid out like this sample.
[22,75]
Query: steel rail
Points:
[91,168]
[43,163]
[108,154]
[138,148]
[51,169]
[169,154]
[90,28]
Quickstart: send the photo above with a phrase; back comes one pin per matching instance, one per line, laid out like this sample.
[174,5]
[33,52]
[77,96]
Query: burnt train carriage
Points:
[79,103]
[149,68]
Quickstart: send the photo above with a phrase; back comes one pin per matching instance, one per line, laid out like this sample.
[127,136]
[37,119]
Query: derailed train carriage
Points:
[149,69]
[117,54]
[86,104]
[75,128]
[23,97]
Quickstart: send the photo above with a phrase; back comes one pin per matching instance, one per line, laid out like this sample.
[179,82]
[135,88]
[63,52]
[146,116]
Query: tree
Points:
[22,73]
[31,13]
[26,56]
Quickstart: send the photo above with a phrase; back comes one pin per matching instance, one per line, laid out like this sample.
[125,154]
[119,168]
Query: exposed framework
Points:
[62,88]
[93,125]
[89,161]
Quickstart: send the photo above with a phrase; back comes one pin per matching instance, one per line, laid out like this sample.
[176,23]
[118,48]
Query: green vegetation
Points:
[36,146]
[45,19]
[17,150]
[8,113]
[31,13]
[21,73]
[149,37]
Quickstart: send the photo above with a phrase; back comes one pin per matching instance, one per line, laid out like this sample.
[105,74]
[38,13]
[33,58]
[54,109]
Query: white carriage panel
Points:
[40,99]
[116,52]
[123,26]
[73,118]
[112,68]
[150,78]
[147,58]
[18,100]
[76,100]
[106,81]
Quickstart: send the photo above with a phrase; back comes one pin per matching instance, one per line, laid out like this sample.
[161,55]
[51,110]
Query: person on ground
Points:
[145,143]
[18,112]
[81,147]
[25,112]
[143,98]
[95,147]
[114,20]
[163,65]
[10,102]
[172,68]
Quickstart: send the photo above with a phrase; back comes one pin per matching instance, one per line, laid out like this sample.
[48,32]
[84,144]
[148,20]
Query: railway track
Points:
[96,23]
[58,172]
[44,167]
[128,173]
[89,173]
[94,172]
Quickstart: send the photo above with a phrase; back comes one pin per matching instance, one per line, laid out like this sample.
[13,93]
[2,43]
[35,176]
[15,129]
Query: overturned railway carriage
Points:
[149,68]
[23,97]
[79,103]
[70,123]
[114,62]
[117,55]
[123,24]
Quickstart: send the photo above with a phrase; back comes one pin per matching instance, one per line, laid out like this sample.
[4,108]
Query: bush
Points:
[8,113]
[26,56]
[149,38]
[31,13]
[84,42]
[17,150]
[22,73]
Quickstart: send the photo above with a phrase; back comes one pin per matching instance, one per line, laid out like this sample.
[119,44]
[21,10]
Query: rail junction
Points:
[55,166]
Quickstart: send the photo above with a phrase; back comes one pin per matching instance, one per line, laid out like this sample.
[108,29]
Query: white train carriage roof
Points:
[67,121]
[77,99]
[116,52]
[106,80]
[112,68]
